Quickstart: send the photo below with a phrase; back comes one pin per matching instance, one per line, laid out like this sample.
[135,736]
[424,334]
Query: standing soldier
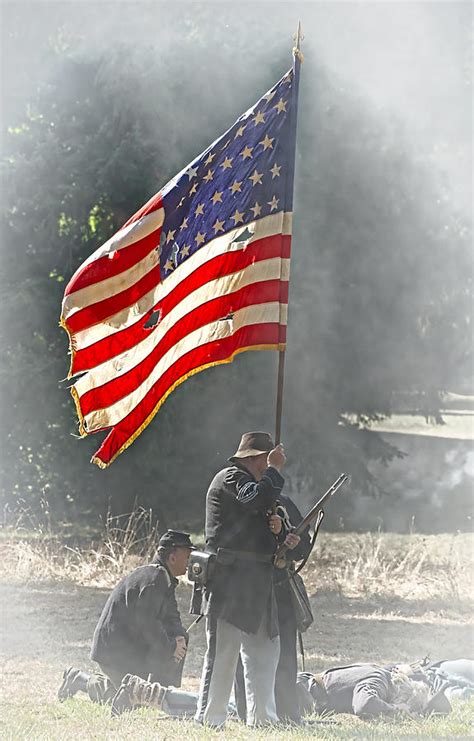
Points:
[139,631]
[285,683]
[286,697]
[239,600]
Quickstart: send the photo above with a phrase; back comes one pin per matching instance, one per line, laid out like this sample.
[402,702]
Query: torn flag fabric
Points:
[197,275]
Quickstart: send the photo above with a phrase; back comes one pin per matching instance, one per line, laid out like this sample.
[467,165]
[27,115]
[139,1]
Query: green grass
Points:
[81,719]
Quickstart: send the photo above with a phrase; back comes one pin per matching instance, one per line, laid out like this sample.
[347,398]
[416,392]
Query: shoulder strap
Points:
[313,541]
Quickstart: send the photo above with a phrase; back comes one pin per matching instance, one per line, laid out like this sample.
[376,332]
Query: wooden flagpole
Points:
[297,59]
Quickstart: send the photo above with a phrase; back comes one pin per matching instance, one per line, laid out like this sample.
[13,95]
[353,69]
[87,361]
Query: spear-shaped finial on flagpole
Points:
[298,37]
[298,59]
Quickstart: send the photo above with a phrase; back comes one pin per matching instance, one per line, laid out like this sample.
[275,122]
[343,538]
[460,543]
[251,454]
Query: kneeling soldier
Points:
[139,631]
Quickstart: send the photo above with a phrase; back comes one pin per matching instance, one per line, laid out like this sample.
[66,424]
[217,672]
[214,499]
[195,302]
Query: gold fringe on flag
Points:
[101,464]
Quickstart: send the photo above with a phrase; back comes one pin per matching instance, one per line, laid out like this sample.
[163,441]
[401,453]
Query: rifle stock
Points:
[279,558]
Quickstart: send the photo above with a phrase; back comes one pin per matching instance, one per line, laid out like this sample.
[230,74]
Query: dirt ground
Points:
[382,598]
[48,627]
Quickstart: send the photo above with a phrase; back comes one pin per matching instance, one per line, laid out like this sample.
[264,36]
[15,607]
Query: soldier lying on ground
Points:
[139,631]
[366,690]
[370,691]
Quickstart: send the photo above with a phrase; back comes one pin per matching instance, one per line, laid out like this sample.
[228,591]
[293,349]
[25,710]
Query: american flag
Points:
[197,275]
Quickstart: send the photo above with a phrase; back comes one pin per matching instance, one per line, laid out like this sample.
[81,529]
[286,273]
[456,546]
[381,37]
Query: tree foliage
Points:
[380,292]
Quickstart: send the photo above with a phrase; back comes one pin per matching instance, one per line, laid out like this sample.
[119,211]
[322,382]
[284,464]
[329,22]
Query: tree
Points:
[380,293]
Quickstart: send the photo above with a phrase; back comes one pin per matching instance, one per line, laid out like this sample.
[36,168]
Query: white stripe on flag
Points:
[109,286]
[273,269]
[128,235]
[257,314]
[274,224]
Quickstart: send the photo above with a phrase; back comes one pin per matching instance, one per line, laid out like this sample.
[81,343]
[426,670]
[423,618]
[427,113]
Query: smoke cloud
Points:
[382,213]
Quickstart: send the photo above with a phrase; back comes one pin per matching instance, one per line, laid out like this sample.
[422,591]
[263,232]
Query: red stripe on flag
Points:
[114,263]
[276,245]
[213,353]
[263,249]
[153,204]
[98,312]
[215,309]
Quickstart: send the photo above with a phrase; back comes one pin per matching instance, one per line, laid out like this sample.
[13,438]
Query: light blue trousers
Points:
[260,656]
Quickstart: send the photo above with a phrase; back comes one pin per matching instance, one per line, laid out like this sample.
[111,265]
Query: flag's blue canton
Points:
[241,177]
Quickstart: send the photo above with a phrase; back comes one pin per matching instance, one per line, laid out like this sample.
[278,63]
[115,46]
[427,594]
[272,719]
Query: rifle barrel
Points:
[316,507]
[308,519]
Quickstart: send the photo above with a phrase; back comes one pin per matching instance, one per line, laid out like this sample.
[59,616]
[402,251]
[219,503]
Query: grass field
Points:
[375,597]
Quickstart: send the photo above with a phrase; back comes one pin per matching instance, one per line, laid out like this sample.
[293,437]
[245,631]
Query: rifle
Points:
[279,558]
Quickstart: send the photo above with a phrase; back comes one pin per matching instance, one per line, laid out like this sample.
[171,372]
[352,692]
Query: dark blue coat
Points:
[139,623]
[237,506]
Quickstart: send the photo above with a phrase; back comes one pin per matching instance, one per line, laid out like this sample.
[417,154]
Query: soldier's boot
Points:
[100,688]
[137,692]
[74,681]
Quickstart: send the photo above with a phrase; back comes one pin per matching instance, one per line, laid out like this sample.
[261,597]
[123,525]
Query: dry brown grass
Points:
[408,567]
[127,541]
[376,597]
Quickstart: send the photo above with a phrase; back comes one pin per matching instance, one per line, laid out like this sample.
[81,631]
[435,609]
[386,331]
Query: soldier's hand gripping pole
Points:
[279,557]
